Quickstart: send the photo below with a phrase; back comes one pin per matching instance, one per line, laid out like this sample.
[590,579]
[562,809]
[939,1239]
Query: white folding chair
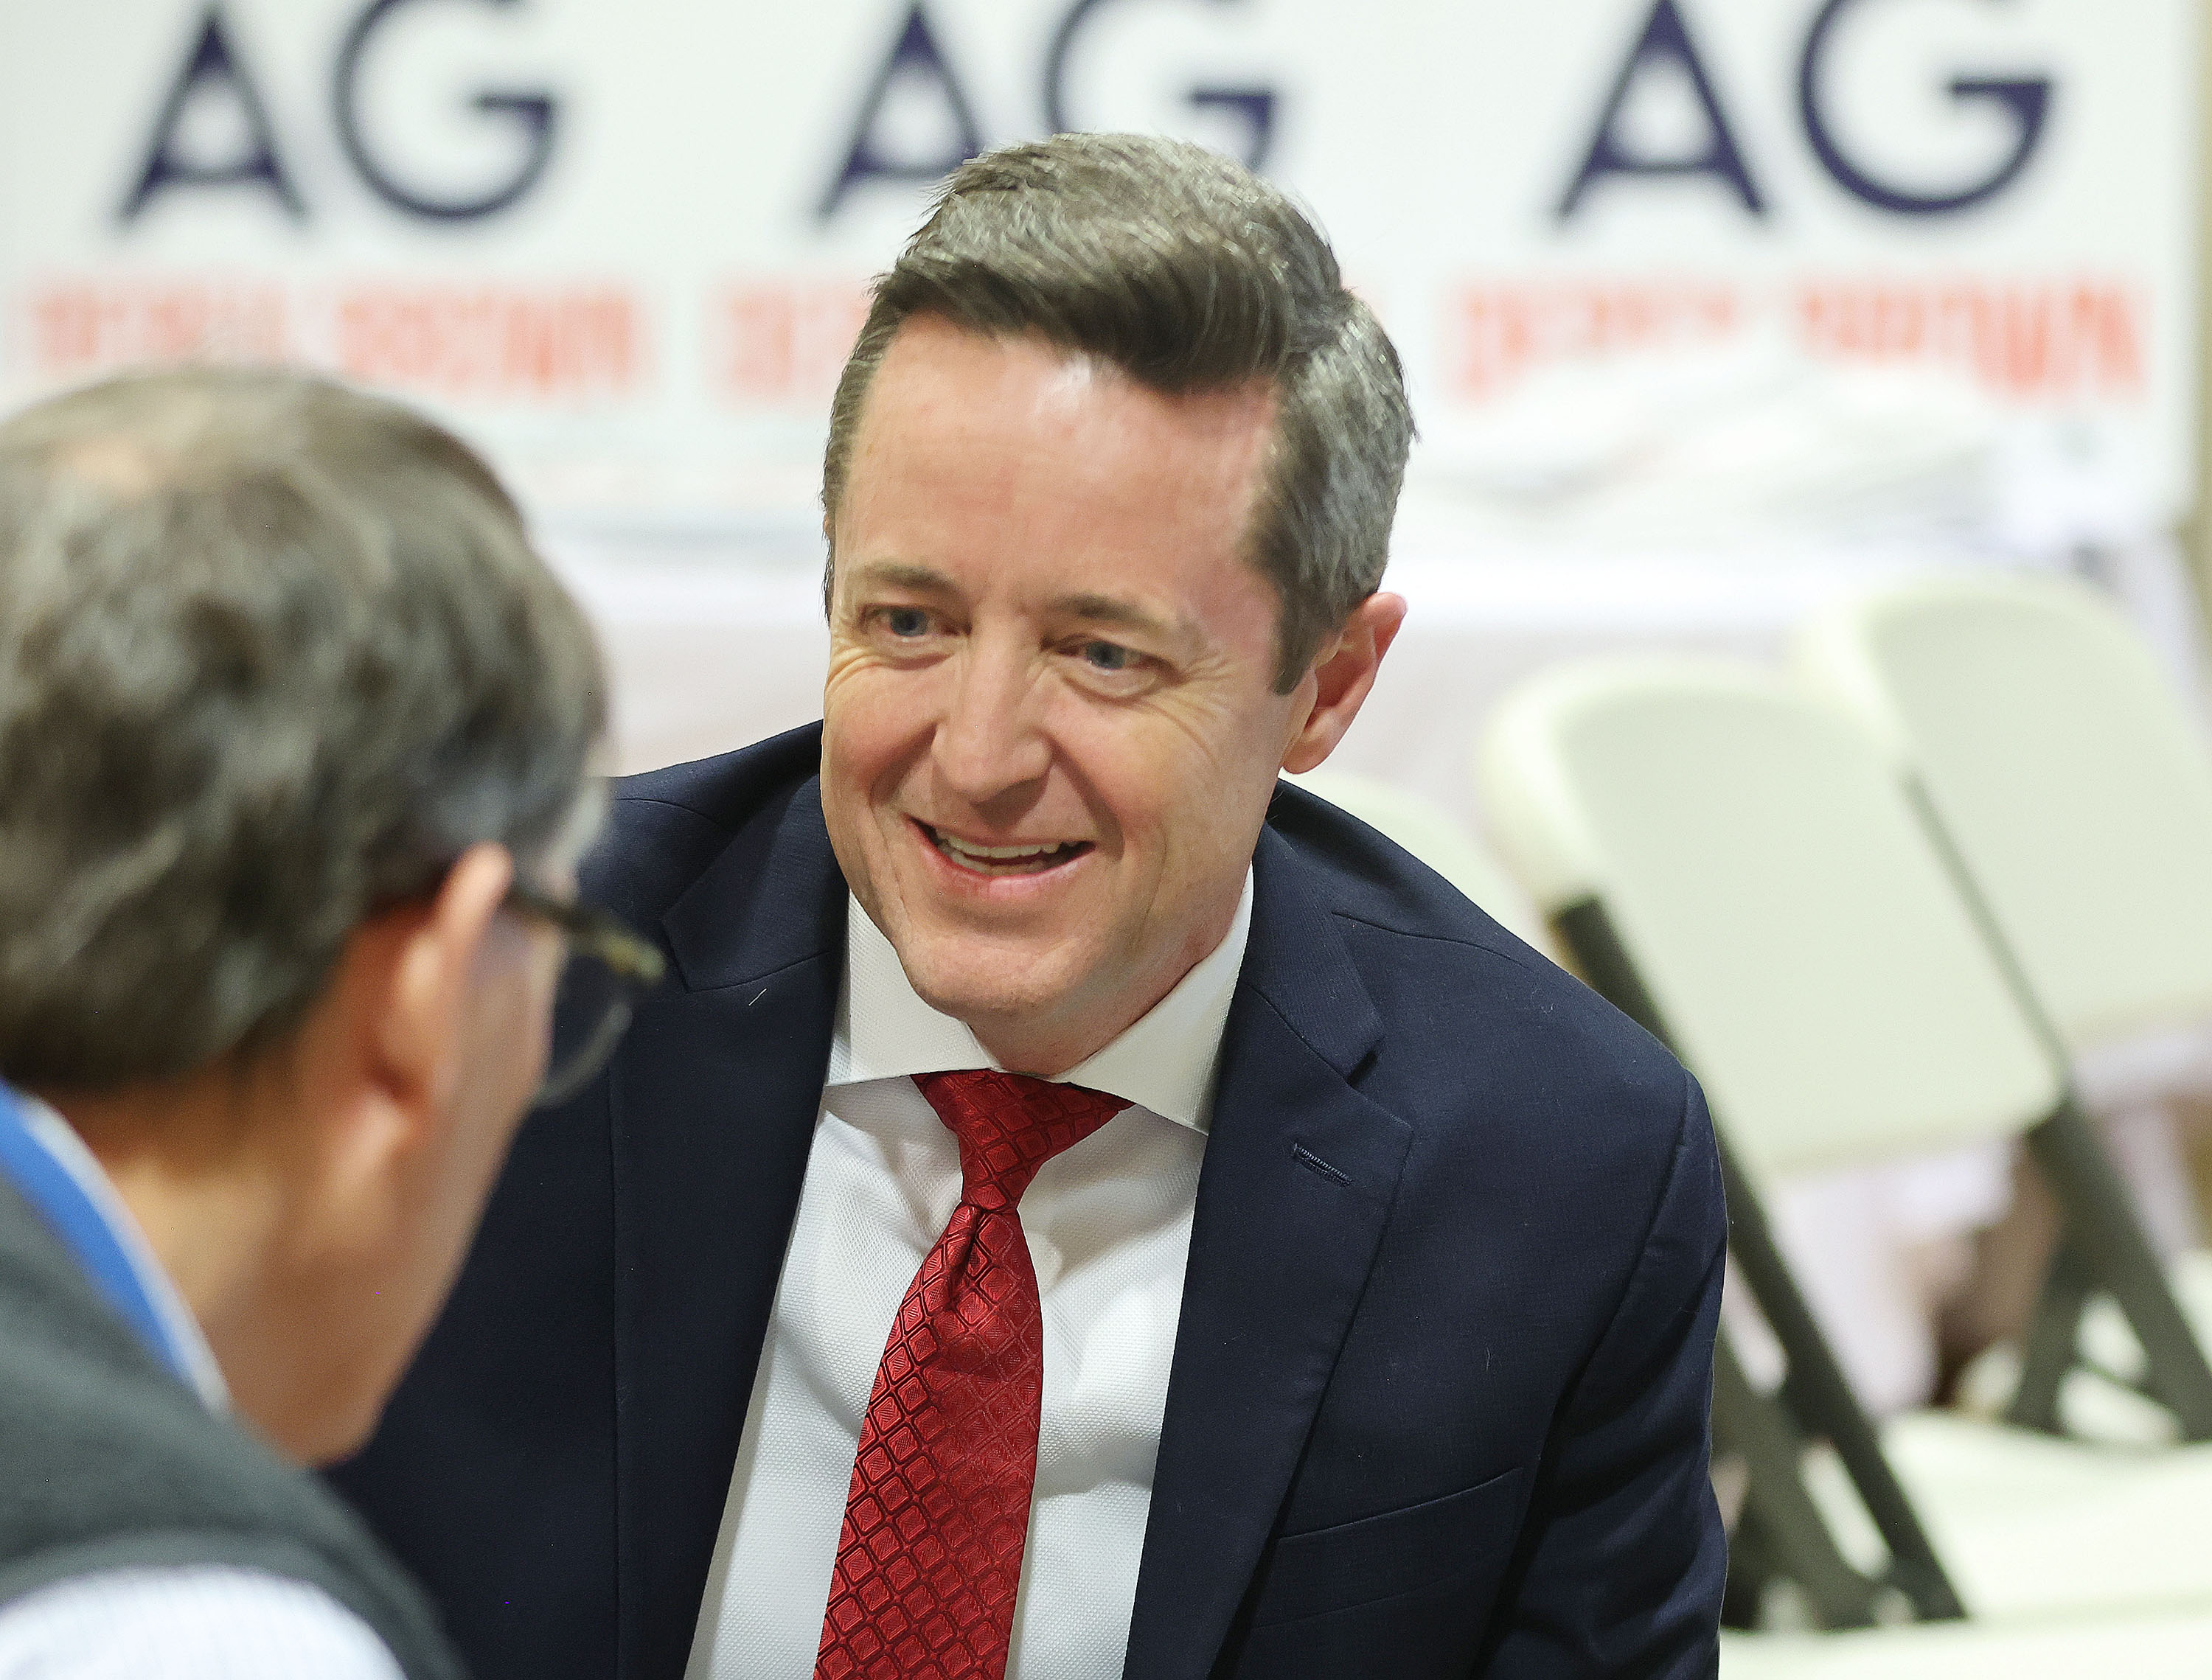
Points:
[1736,866]
[2064,768]
[1431,833]
[2046,745]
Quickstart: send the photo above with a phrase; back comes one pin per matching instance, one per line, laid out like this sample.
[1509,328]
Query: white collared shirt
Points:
[1108,1229]
[193,1621]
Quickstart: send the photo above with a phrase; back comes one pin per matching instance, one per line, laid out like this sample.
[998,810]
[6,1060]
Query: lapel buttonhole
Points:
[1313,1163]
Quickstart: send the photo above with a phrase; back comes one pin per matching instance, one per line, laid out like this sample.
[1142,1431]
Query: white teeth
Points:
[991,858]
[1001,852]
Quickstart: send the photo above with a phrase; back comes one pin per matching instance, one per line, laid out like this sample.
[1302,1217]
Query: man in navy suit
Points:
[1082,1208]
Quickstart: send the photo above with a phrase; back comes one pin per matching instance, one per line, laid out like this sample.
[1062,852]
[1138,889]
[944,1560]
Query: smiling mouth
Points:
[1032,858]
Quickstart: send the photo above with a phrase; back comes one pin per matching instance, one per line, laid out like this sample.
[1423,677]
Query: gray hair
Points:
[273,653]
[1189,273]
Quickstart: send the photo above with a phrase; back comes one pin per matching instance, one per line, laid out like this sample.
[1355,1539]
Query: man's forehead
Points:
[926,337]
[928,348]
[1018,428]
[1020,475]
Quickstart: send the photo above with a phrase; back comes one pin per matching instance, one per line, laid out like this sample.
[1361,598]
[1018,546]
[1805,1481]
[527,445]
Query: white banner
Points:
[624,244]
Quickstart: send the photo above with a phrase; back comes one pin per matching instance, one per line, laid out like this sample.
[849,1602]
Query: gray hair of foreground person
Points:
[273,653]
[1189,273]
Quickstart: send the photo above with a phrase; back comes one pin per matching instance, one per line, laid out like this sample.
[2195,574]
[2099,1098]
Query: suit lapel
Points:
[714,1102]
[1299,1173]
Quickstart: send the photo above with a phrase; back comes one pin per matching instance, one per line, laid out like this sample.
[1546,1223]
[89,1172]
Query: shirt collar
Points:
[1164,1062]
[58,1138]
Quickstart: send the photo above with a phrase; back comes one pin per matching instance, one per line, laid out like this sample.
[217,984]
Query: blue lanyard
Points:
[75,1219]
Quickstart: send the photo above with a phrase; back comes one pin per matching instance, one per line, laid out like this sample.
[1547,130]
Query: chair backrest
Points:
[2063,766]
[1430,833]
[1788,915]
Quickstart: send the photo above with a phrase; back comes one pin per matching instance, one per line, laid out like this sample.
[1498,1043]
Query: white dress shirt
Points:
[1109,1227]
[199,1622]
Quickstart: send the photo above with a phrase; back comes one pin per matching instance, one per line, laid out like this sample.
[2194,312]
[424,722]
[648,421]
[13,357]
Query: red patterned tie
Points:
[930,1554]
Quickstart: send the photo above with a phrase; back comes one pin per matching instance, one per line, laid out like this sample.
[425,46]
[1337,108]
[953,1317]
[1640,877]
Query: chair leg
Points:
[1749,1573]
[2051,1344]
[1825,1404]
[2102,1229]
[1817,1385]
[2099,1220]
[1789,1536]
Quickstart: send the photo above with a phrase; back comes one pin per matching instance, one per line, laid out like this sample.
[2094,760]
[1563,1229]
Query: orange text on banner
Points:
[498,343]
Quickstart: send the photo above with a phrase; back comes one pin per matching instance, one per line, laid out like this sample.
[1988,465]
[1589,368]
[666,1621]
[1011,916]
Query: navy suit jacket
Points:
[1438,1404]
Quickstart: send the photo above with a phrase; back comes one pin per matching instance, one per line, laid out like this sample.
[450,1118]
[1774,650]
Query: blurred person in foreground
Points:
[1086,1210]
[293,741]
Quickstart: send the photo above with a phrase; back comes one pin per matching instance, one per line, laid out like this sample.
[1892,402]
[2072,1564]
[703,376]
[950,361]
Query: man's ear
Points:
[431,954]
[1342,676]
[385,1037]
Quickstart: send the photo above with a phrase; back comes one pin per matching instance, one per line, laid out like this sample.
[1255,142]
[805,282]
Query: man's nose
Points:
[989,741]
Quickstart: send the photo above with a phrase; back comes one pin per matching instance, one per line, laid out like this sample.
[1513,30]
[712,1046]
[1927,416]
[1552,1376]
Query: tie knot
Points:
[1009,1125]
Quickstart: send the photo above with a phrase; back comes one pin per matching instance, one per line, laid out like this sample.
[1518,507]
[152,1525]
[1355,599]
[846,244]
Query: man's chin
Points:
[987,999]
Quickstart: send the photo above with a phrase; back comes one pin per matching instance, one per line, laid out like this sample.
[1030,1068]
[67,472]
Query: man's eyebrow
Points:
[903,574]
[1109,609]
[1094,609]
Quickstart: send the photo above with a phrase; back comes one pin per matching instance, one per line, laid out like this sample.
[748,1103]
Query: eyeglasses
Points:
[608,969]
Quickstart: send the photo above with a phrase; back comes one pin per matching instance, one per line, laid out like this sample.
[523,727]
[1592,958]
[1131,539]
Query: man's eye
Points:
[906,622]
[1108,656]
